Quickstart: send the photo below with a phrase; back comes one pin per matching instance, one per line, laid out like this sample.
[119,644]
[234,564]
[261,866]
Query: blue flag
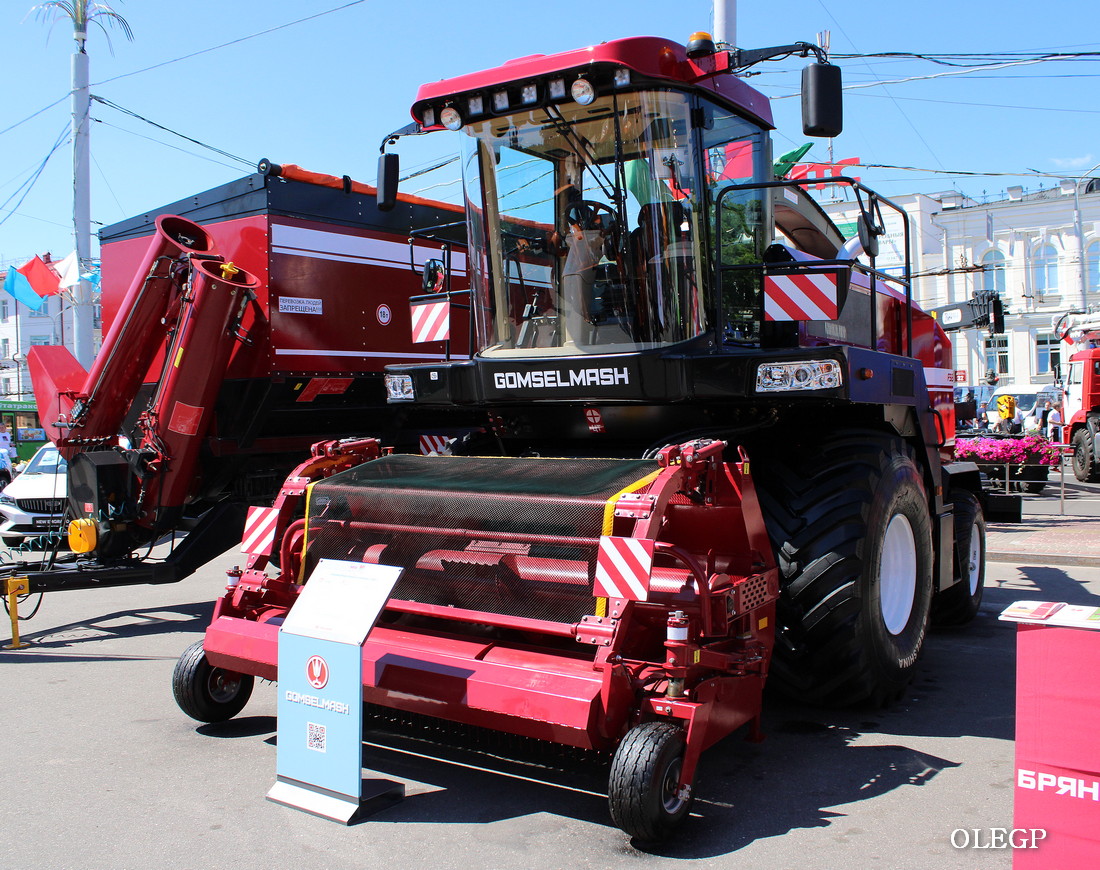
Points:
[20,289]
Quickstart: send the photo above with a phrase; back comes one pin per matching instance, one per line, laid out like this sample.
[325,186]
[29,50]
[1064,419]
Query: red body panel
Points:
[527,692]
[346,273]
[649,55]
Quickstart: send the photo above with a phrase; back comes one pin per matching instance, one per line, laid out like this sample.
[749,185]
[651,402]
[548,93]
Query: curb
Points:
[1061,559]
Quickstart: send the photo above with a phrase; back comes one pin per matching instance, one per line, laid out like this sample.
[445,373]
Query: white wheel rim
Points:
[897,580]
[974,560]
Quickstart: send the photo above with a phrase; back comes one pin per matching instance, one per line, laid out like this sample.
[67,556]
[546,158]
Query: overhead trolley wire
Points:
[231,42]
[28,185]
[133,114]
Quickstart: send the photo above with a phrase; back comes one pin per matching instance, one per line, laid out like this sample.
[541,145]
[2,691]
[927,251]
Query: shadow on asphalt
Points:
[1042,583]
[54,643]
[245,726]
[812,763]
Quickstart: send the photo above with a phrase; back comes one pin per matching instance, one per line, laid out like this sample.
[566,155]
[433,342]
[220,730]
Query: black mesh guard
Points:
[522,530]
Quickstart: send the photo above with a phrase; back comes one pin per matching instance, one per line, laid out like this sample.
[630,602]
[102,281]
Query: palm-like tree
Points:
[81,13]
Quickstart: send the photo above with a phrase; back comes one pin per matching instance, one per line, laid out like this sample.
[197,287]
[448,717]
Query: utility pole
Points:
[83,310]
[725,22]
[82,13]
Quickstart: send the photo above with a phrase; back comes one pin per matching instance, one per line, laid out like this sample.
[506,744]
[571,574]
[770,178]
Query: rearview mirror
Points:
[389,166]
[822,100]
[868,235]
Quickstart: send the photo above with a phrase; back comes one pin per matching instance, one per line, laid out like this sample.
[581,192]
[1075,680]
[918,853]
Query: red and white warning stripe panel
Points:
[623,568]
[259,531]
[431,321]
[434,444]
[801,296]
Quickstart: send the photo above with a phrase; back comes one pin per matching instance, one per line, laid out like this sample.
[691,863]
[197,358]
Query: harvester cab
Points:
[635,247]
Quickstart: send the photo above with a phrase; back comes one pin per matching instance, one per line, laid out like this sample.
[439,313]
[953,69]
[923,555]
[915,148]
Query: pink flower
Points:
[1028,450]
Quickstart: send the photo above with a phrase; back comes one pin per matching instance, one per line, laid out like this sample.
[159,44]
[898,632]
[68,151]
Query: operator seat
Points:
[662,261]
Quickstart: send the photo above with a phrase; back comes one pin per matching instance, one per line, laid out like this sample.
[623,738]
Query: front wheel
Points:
[207,693]
[1084,461]
[644,787]
[850,523]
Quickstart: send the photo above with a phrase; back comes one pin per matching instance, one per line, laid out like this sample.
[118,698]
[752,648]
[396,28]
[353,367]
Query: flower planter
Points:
[1027,459]
[1031,477]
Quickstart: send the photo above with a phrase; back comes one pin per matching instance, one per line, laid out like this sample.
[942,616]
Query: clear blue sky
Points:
[324,92]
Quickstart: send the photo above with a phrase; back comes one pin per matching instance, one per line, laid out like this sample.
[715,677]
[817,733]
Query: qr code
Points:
[315,737]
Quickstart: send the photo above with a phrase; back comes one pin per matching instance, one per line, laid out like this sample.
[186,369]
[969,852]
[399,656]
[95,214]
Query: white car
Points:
[33,504]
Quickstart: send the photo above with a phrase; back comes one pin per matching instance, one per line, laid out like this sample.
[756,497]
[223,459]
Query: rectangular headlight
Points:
[794,376]
[399,388]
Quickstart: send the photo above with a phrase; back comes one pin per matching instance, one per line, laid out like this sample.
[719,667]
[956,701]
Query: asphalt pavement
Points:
[1061,526]
[100,769]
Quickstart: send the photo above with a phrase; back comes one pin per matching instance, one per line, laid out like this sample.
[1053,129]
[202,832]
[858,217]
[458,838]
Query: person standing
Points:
[1054,423]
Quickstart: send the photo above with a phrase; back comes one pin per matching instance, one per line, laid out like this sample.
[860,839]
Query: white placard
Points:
[342,600]
[299,305]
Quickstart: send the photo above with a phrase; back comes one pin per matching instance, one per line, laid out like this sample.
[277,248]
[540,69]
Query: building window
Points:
[7,386]
[5,348]
[41,339]
[1092,266]
[1044,269]
[993,272]
[996,354]
[1048,354]
[4,310]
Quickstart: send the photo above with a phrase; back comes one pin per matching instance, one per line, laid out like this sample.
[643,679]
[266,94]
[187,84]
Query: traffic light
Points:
[997,316]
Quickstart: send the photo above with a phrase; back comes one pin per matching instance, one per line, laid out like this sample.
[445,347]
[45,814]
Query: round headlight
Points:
[451,118]
[583,92]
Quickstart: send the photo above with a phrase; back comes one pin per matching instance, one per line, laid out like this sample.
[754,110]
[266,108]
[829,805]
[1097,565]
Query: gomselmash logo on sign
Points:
[548,379]
[317,672]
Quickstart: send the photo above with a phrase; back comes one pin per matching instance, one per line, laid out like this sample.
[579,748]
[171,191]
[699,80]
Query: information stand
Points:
[1057,788]
[319,766]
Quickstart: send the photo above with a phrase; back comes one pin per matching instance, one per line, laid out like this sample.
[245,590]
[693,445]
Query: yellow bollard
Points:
[15,587]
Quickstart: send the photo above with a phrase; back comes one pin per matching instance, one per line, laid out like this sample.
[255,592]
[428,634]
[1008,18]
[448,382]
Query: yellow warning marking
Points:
[762,624]
[601,607]
[609,507]
[696,656]
[179,356]
[305,534]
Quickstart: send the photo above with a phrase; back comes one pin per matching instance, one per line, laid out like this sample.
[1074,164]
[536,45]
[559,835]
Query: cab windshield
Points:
[591,221]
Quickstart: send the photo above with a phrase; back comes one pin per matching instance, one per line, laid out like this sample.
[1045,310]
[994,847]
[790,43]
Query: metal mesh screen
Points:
[509,536]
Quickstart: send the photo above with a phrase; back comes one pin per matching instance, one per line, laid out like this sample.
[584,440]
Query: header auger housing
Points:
[624,606]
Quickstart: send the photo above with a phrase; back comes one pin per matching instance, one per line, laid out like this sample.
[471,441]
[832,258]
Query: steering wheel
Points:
[589,215]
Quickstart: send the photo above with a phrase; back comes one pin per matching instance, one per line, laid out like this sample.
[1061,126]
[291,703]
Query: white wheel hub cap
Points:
[897,582]
[974,559]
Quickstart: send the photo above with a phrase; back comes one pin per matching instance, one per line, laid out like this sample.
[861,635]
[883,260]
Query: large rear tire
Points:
[1085,467]
[643,789]
[959,604]
[850,524]
[207,693]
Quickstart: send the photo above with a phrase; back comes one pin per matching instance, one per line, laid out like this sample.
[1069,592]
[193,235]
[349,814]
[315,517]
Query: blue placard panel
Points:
[320,713]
